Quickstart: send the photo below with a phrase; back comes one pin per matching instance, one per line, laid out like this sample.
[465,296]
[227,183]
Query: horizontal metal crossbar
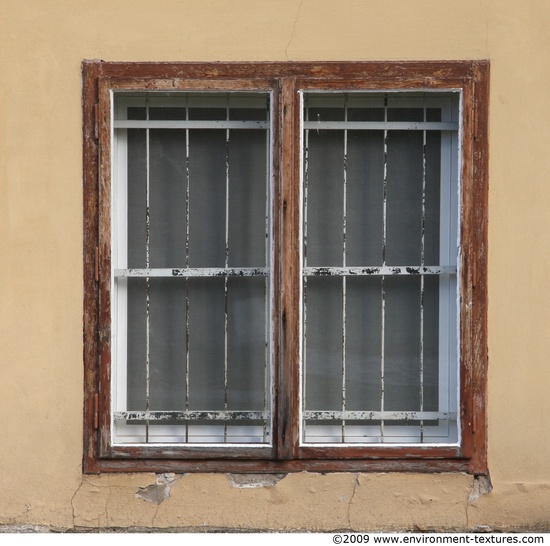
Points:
[377,415]
[195,272]
[379,270]
[191,415]
[382,125]
[309,415]
[188,124]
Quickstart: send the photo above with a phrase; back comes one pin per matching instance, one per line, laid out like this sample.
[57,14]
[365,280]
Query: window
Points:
[285,266]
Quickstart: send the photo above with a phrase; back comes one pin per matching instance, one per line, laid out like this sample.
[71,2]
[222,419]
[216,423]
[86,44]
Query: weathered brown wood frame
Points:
[286,80]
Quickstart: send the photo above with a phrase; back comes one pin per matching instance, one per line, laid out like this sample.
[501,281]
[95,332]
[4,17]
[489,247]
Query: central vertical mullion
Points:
[147,280]
[344,220]
[226,310]
[383,289]
[288,411]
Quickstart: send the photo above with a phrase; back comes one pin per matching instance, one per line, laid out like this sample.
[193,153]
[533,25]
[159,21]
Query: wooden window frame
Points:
[471,78]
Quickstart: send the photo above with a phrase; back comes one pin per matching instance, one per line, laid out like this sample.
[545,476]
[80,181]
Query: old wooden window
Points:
[285,266]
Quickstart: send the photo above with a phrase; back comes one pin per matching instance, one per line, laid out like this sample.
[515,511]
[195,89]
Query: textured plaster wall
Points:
[42,44]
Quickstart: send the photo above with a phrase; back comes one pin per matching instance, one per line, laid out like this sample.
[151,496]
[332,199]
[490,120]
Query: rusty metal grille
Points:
[192,268]
[379,255]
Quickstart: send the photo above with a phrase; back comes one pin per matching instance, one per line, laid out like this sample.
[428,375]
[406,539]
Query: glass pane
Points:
[323,343]
[167,198]
[137,198]
[404,197]
[433,199]
[207,182]
[248,178]
[206,344]
[247,362]
[363,343]
[325,198]
[402,343]
[365,198]
[167,335]
[430,352]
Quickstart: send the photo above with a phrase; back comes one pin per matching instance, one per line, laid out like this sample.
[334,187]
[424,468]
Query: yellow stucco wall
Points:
[42,44]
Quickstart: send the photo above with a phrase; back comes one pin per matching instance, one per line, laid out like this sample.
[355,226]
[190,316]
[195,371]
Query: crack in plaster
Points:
[293,30]
[77,490]
[481,485]
[155,515]
[107,502]
[356,484]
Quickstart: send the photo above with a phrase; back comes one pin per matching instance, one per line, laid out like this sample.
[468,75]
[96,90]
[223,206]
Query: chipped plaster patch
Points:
[480,486]
[249,481]
[159,491]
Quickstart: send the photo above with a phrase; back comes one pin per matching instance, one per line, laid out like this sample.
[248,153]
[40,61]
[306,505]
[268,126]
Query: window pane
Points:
[248,177]
[167,194]
[363,343]
[137,197]
[206,344]
[379,347]
[402,343]
[207,176]
[156,374]
[247,362]
[365,198]
[404,197]
[197,197]
[323,344]
[324,213]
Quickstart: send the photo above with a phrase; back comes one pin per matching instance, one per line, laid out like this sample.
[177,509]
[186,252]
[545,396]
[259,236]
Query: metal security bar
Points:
[194,272]
[344,116]
[189,415]
[189,124]
[376,415]
[176,133]
[385,270]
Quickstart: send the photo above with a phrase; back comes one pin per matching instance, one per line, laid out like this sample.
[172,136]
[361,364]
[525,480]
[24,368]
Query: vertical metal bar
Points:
[147,280]
[383,288]
[422,256]
[304,344]
[344,227]
[269,279]
[225,349]
[187,314]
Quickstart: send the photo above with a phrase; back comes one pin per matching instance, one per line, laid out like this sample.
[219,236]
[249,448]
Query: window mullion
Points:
[290,272]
